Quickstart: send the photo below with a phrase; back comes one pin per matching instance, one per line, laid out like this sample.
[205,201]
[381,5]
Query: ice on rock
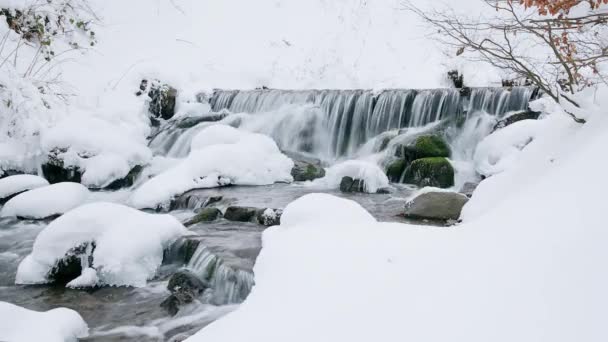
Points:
[12,185]
[18,324]
[221,155]
[46,201]
[128,249]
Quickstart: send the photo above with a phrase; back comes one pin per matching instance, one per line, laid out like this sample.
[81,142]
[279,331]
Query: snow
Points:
[524,266]
[372,174]
[104,151]
[237,158]
[46,201]
[58,325]
[15,184]
[129,245]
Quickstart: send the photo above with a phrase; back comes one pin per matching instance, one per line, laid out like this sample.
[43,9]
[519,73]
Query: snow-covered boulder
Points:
[221,155]
[18,324]
[46,202]
[125,245]
[13,185]
[323,208]
[92,151]
[436,205]
[368,173]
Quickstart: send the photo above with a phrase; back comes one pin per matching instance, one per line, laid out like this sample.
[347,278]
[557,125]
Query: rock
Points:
[436,205]
[395,170]
[185,287]
[162,99]
[127,181]
[437,172]
[515,117]
[348,184]
[304,171]
[424,147]
[269,217]
[205,215]
[193,121]
[55,172]
[468,188]
[241,214]
[456,78]
[194,199]
[70,266]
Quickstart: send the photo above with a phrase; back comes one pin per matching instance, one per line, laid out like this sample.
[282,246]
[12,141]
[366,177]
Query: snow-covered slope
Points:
[528,269]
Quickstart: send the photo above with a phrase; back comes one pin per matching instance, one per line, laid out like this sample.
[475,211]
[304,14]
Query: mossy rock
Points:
[394,171]
[304,171]
[437,172]
[205,215]
[424,147]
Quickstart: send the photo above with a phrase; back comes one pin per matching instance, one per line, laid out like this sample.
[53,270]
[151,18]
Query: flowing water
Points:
[330,125]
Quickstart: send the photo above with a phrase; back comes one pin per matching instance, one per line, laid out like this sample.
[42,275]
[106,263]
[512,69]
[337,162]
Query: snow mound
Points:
[58,325]
[238,158]
[323,208]
[499,150]
[372,174]
[128,249]
[103,151]
[47,201]
[12,185]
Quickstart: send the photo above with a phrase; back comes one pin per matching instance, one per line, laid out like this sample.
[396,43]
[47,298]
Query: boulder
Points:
[468,188]
[241,214]
[185,287]
[436,172]
[305,171]
[55,172]
[348,184]
[515,117]
[436,206]
[205,215]
[194,199]
[269,217]
[182,250]
[395,170]
[424,146]
[193,121]
[126,181]
[162,100]
[70,266]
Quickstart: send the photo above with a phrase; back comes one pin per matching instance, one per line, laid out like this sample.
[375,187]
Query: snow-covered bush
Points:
[57,325]
[125,245]
[220,156]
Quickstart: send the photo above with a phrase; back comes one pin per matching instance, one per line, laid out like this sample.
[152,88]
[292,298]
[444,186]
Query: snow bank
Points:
[237,158]
[372,174]
[528,269]
[104,151]
[128,249]
[58,325]
[47,201]
[321,209]
[499,150]
[12,185]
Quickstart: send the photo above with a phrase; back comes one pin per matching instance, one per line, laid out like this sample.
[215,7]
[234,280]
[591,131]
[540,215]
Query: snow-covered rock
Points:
[372,175]
[322,208]
[18,324]
[237,158]
[128,249]
[13,185]
[46,201]
[102,151]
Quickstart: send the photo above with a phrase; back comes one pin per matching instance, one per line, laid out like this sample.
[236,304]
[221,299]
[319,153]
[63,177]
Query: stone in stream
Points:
[204,215]
[182,250]
[436,206]
[395,170]
[348,184]
[185,287]
[55,171]
[162,100]
[126,181]
[425,146]
[193,121]
[436,172]
[194,199]
[304,171]
[468,188]
[515,117]
[70,266]
[264,216]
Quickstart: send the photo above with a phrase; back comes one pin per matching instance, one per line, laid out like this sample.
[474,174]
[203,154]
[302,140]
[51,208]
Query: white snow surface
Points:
[58,325]
[15,184]
[129,245]
[526,264]
[371,173]
[221,155]
[46,201]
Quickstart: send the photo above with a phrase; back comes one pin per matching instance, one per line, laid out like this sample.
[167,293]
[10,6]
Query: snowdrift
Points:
[47,201]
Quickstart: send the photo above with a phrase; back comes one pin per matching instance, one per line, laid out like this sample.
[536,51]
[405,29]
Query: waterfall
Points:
[350,118]
[227,284]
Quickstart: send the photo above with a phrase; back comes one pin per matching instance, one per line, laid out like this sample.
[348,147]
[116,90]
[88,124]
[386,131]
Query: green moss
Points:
[436,171]
[395,170]
[205,215]
[431,146]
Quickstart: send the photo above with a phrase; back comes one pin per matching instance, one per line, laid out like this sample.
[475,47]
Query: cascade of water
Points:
[227,285]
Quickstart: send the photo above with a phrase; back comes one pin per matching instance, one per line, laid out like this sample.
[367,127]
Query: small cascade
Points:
[227,284]
[350,118]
